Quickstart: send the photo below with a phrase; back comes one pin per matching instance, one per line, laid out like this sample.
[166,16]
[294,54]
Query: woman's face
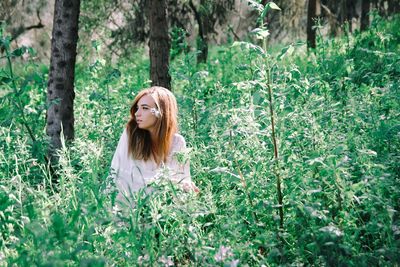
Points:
[144,115]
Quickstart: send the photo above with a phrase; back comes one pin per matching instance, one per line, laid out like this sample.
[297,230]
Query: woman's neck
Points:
[154,143]
[153,137]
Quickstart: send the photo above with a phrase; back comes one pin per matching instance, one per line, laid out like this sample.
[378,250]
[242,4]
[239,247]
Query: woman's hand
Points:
[190,186]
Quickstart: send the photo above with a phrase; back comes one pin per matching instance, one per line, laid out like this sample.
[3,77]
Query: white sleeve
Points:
[121,169]
[120,159]
[180,163]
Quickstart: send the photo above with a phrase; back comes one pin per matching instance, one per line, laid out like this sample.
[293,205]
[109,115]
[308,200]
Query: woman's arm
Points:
[180,164]
[119,161]
[121,170]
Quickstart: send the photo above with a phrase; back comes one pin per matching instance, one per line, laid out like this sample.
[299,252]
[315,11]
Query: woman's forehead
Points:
[146,100]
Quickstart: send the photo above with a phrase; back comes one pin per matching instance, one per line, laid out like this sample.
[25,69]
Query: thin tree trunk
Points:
[159,44]
[365,5]
[203,45]
[350,13]
[393,7]
[318,8]
[379,5]
[343,12]
[202,41]
[60,90]
[312,5]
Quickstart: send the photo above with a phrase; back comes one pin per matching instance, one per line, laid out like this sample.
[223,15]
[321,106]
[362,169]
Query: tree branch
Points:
[198,18]
[19,31]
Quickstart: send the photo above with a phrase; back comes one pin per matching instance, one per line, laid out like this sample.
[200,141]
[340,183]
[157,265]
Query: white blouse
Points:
[131,175]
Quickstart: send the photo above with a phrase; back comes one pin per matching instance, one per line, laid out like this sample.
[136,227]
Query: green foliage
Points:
[178,42]
[338,132]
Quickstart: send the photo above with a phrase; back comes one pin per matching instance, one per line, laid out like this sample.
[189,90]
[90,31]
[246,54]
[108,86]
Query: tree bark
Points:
[21,30]
[365,5]
[393,7]
[159,43]
[343,13]
[60,90]
[350,13]
[202,41]
[318,8]
[311,13]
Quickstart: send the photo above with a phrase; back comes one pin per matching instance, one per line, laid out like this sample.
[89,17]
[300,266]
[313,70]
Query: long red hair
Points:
[141,146]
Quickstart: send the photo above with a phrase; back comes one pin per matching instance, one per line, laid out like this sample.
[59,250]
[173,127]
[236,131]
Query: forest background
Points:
[291,115]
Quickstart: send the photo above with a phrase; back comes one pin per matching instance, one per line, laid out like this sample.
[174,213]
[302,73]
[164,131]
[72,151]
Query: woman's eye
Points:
[145,108]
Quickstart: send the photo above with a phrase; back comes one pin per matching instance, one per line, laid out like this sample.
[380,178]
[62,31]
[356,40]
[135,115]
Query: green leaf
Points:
[368,152]
[272,5]
[37,78]
[32,51]
[258,97]
[288,50]
[295,73]
[268,6]
[249,46]
[95,96]
[243,67]
[261,33]
[255,5]
[4,79]
[95,44]
[5,42]
[299,43]
[19,51]
[112,75]
[314,161]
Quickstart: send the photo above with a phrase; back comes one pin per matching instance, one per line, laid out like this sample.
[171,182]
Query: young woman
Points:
[149,145]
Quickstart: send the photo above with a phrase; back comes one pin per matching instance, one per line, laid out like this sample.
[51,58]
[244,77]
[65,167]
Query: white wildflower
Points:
[234,263]
[142,259]
[155,112]
[166,261]
[223,253]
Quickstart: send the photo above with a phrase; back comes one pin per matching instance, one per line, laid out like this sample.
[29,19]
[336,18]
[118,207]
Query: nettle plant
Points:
[261,96]
[22,101]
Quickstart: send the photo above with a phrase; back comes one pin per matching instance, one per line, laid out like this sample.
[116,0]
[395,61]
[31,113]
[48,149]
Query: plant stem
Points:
[274,141]
[194,116]
[276,165]
[17,103]
[255,218]
[20,108]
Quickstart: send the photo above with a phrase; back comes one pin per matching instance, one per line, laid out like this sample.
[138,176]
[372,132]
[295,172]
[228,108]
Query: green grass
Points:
[338,130]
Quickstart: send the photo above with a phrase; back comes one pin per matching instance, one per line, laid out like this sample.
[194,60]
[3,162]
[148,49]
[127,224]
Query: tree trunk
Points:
[202,40]
[393,7]
[202,46]
[379,5]
[365,4]
[60,90]
[159,43]
[318,8]
[343,12]
[350,13]
[312,5]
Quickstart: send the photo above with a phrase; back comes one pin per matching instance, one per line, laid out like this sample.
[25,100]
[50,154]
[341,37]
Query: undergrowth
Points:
[338,130]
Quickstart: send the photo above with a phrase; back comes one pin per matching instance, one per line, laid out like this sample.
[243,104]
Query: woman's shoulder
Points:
[178,141]
[178,136]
